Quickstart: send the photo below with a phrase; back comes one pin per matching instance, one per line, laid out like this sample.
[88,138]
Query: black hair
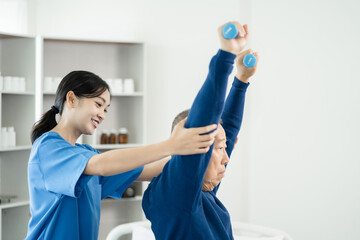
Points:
[83,84]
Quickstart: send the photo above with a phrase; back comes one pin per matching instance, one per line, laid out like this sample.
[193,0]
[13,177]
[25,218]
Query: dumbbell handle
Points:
[229,32]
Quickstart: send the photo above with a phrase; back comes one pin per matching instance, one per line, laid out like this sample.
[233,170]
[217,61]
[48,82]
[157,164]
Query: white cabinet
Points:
[37,57]
[17,108]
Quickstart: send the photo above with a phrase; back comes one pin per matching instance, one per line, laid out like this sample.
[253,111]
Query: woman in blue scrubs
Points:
[67,180]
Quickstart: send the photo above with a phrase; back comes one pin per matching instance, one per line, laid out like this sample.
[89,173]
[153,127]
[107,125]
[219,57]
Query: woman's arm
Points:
[152,170]
[182,142]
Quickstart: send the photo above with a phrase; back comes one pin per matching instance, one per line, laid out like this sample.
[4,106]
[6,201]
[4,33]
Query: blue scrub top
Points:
[64,202]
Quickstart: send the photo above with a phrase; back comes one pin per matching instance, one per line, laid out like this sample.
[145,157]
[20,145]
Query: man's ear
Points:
[71,99]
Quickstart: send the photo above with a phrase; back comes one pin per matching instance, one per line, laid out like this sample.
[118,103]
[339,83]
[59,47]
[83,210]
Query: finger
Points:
[206,129]
[203,150]
[240,28]
[246,28]
[256,54]
[181,123]
[207,137]
[243,53]
[206,144]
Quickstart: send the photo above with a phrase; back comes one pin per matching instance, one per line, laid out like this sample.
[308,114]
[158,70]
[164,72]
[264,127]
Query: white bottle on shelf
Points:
[7,83]
[129,85]
[4,138]
[118,85]
[15,86]
[1,82]
[22,82]
[11,135]
[48,84]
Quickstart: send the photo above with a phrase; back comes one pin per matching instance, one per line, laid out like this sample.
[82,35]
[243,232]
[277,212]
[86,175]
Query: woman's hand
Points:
[243,72]
[188,141]
[235,45]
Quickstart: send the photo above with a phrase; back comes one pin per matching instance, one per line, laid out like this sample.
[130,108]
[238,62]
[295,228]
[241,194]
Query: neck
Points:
[207,186]
[66,131]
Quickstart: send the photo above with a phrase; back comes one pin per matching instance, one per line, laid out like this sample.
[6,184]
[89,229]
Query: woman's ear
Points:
[71,99]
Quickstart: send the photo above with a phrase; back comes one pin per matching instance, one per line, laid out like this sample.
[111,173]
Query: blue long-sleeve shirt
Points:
[174,201]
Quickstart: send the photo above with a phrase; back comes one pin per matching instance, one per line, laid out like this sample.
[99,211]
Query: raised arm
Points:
[180,183]
[234,107]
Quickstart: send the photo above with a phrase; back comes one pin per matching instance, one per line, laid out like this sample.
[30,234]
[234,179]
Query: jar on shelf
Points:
[11,137]
[112,137]
[4,138]
[104,138]
[123,136]
[130,192]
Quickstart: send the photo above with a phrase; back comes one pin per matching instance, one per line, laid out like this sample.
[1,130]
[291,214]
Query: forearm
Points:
[209,102]
[152,170]
[123,160]
[233,112]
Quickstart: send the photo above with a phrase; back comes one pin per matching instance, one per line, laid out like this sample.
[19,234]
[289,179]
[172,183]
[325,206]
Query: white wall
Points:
[304,118]
[17,16]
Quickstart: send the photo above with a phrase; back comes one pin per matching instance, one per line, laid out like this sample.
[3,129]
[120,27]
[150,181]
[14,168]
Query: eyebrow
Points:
[103,100]
[221,141]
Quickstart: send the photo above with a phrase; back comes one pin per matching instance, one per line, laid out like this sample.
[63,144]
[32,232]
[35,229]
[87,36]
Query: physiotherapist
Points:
[68,180]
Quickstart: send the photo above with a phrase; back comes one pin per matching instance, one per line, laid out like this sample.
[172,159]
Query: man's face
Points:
[219,158]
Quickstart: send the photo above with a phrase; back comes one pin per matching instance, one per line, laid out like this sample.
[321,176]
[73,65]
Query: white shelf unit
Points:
[35,57]
[17,58]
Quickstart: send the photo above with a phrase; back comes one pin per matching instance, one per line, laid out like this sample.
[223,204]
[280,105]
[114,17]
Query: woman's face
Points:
[90,112]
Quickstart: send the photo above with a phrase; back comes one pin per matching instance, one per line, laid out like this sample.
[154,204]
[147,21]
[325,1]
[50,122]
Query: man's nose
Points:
[225,159]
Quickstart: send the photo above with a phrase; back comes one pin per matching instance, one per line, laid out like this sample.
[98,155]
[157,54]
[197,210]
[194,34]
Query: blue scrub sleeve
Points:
[62,165]
[114,186]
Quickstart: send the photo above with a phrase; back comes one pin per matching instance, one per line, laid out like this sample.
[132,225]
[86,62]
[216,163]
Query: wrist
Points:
[227,50]
[169,147]
[242,78]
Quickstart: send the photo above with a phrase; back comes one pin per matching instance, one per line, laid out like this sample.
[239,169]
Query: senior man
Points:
[181,202]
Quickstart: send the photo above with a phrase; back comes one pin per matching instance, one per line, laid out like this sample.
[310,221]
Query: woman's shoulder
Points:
[47,138]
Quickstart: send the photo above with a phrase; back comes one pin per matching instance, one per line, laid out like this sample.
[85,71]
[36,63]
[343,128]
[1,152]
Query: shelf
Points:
[134,199]
[117,146]
[18,93]
[14,203]
[5,35]
[13,149]
[135,94]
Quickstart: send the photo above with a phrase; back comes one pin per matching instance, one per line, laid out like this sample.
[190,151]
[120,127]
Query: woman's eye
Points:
[98,104]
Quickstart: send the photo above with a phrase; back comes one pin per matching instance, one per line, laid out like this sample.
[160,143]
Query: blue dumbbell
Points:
[229,32]
[249,60]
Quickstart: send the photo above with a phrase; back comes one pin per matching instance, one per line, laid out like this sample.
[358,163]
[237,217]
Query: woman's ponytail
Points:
[45,124]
